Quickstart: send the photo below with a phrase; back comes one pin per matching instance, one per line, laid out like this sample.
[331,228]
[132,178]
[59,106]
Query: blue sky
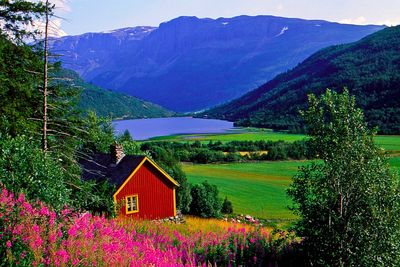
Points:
[101,15]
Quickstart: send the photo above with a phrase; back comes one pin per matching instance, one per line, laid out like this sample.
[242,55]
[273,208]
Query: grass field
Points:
[237,135]
[395,164]
[388,142]
[258,189]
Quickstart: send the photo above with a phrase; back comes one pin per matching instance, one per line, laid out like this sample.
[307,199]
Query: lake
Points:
[142,129]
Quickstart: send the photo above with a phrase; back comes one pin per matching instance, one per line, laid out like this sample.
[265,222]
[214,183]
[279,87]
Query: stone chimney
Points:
[117,153]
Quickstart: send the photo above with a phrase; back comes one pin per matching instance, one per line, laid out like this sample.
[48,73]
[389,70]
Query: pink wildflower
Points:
[72,232]
[63,255]
[44,211]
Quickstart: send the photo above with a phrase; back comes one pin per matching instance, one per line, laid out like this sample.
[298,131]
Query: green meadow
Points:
[242,134]
[388,142]
[258,188]
[395,164]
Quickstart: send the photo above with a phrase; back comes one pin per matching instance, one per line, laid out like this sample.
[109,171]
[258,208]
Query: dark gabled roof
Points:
[100,167]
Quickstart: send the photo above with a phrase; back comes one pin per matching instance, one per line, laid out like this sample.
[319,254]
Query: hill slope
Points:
[369,68]
[108,103]
[189,64]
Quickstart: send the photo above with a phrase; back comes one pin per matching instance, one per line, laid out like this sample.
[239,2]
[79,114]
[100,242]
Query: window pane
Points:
[134,203]
[129,202]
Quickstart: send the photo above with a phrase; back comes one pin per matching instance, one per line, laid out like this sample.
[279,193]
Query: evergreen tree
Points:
[348,201]
[99,134]
[19,95]
[125,137]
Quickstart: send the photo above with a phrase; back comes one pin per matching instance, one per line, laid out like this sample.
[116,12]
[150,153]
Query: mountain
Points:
[189,64]
[369,68]
[108,103]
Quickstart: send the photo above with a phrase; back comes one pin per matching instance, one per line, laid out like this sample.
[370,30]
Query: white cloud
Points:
[55,29]
[280,7]
[61,5]
[389,22]
[55,23]
[359,21]
[363,21]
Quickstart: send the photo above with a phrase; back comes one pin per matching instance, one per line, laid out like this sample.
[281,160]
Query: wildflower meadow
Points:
[32,234]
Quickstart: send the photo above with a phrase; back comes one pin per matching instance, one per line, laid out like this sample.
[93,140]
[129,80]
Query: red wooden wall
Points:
[155,194]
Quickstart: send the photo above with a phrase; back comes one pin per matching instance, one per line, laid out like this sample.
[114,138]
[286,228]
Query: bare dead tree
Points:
[45,77]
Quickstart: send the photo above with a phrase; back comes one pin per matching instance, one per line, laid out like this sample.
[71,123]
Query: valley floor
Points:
[259,188]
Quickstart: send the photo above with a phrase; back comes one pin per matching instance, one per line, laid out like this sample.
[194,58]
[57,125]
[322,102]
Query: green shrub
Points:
[205,201]
[24,168]
[227,207]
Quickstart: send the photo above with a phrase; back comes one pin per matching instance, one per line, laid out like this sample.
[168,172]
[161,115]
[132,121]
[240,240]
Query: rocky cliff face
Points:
[189,64]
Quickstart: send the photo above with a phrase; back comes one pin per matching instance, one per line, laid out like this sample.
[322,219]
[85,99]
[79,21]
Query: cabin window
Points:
[131,204]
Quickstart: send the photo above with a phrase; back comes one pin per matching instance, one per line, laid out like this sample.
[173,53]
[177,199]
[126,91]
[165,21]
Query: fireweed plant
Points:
[32,234]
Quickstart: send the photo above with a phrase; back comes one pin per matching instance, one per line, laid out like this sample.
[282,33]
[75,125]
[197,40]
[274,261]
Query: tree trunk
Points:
[45,79]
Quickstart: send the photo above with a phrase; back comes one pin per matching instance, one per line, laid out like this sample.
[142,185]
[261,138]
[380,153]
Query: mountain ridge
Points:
[189,64]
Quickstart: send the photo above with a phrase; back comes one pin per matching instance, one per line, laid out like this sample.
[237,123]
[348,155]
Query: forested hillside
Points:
[108,103]
[369,68]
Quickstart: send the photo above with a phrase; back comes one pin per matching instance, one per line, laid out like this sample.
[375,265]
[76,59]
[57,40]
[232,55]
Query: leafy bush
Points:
[24,168]
[205,200]
[227,207]
[278,152]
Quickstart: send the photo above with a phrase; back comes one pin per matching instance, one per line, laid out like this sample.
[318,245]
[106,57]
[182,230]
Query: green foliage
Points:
[131,148]
[96,197]
[24,168]
[369,68]
[205,200]
[19,95]
[227,207]
[213,152]
[183,196]
[125,137]
[54,178]
[111,104]
[349,203]
[277,152]
[100,133]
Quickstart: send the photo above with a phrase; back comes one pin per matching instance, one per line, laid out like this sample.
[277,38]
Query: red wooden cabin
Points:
[144,190]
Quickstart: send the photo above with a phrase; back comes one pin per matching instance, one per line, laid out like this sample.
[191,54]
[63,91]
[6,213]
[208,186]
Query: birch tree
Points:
[348,201]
